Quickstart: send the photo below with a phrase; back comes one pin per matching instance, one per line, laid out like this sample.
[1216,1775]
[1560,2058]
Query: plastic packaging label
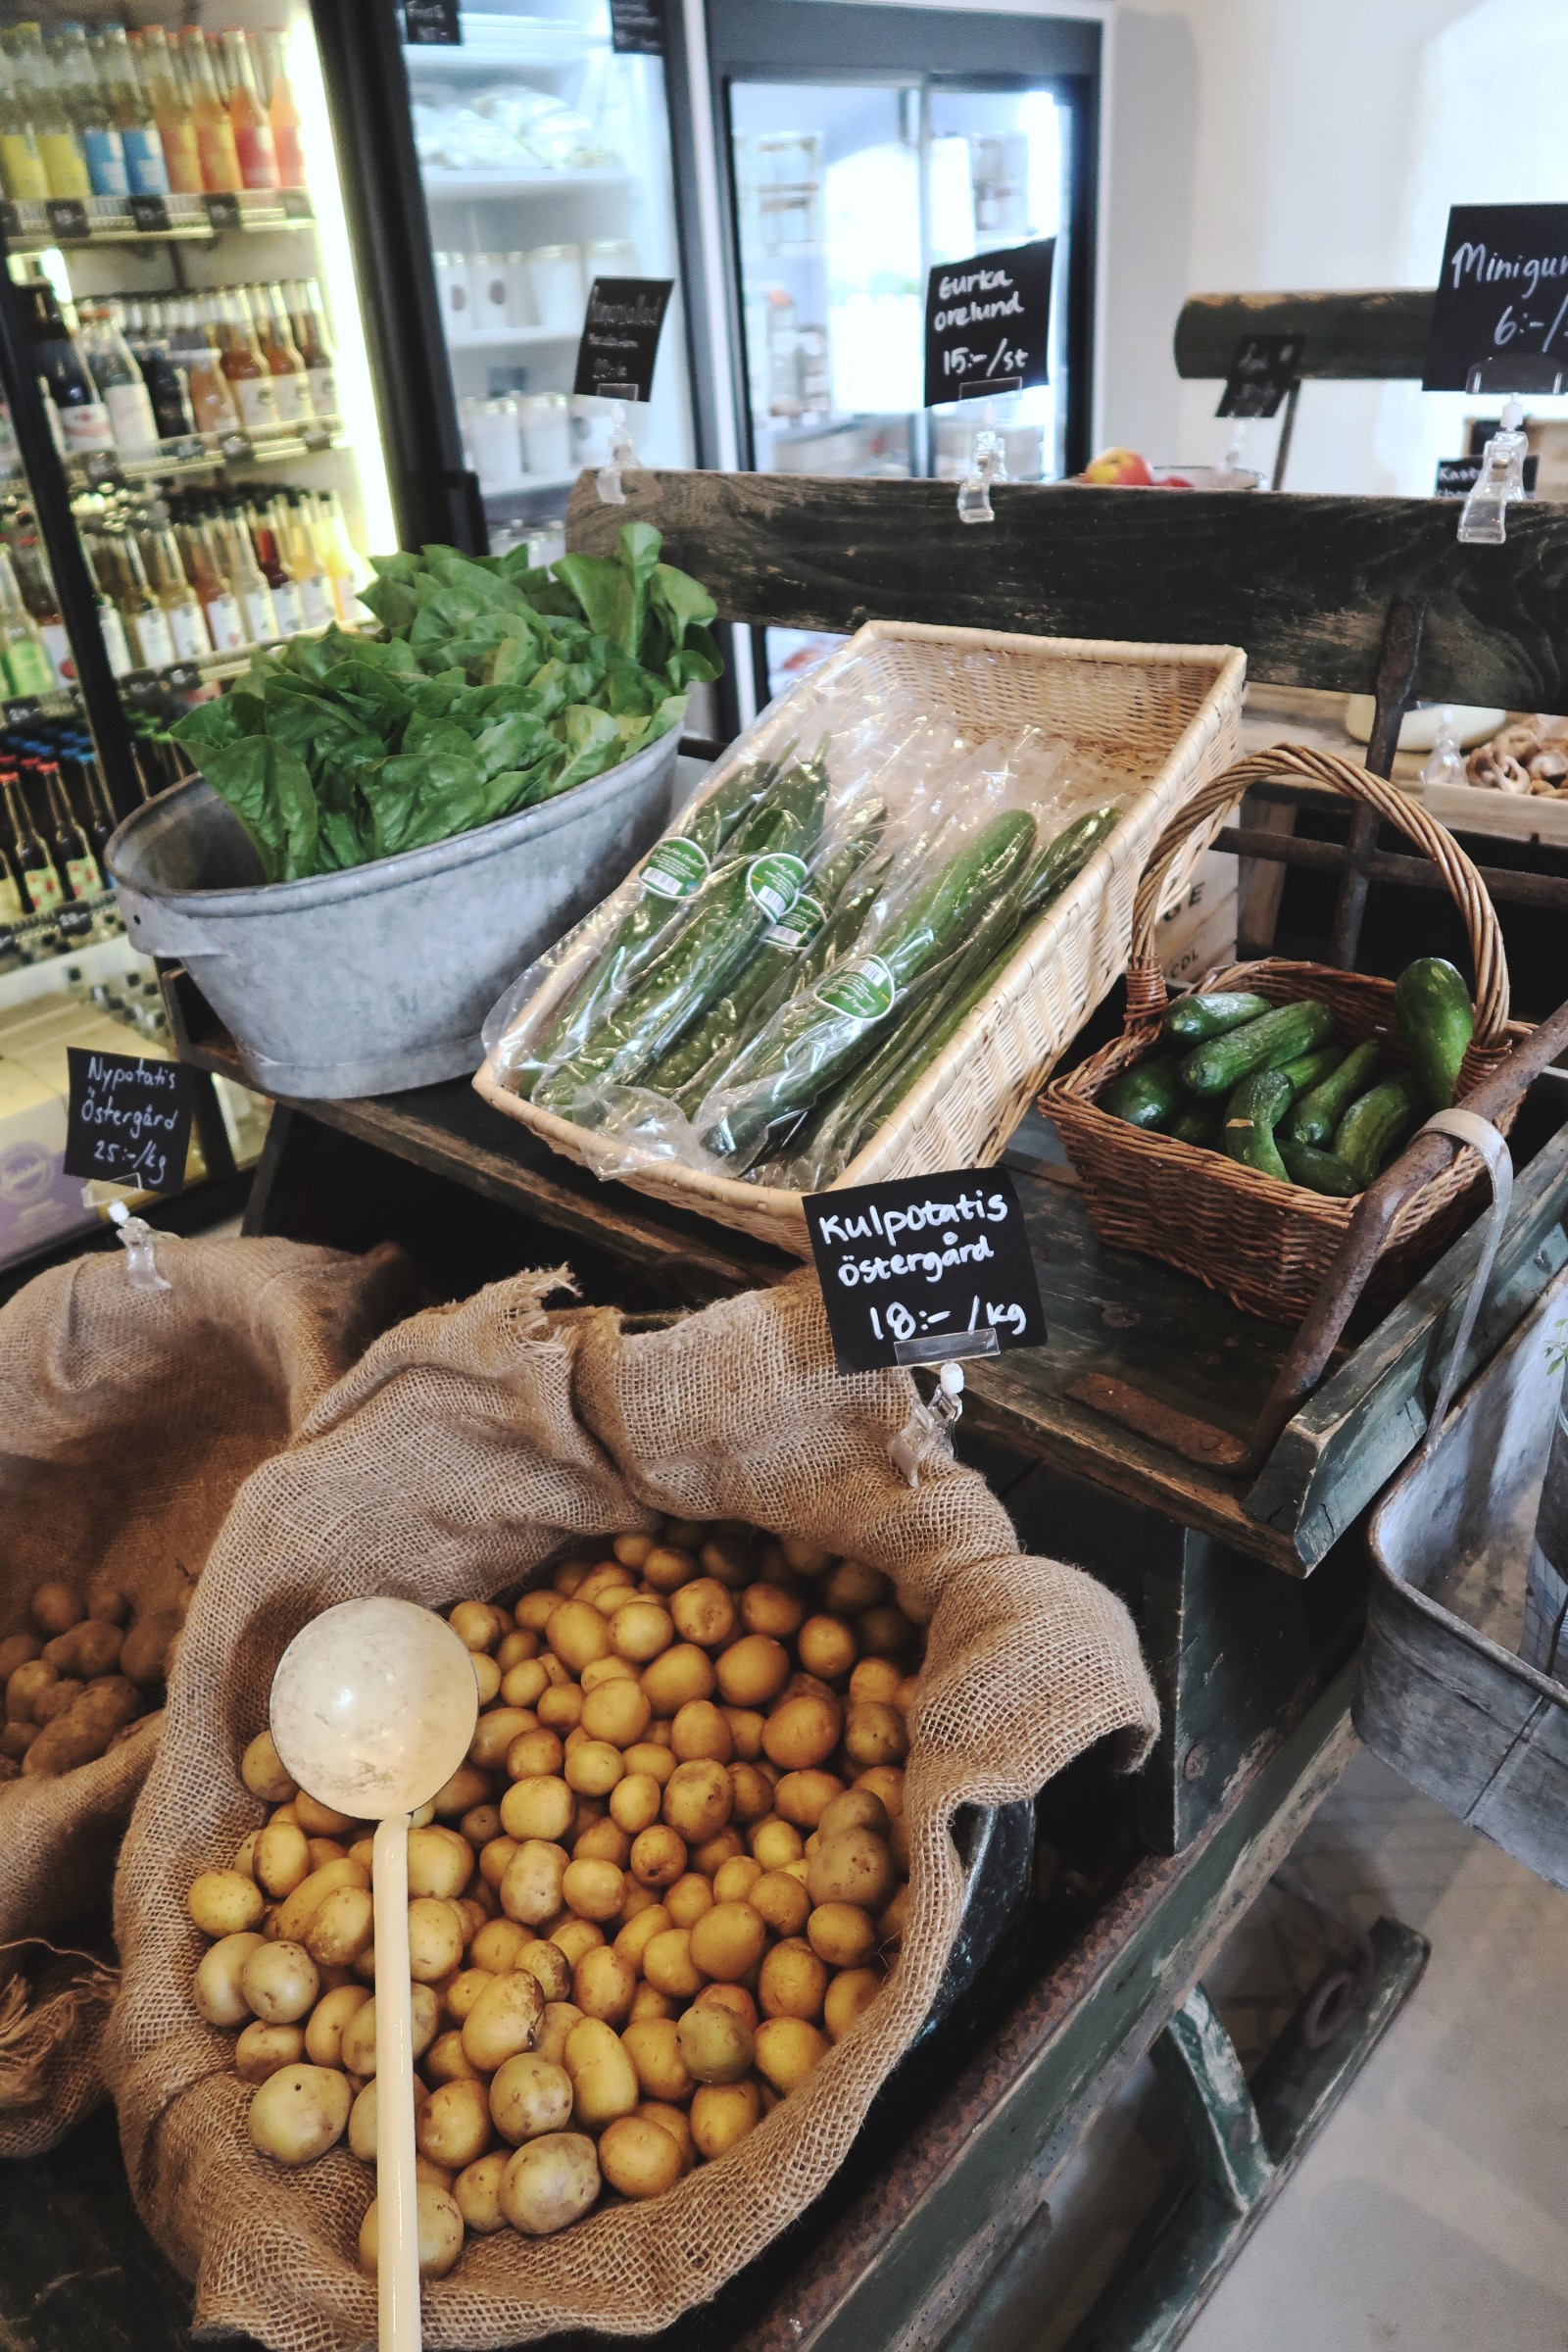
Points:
[774,882]
[675,868]
[863,991]
[798,928]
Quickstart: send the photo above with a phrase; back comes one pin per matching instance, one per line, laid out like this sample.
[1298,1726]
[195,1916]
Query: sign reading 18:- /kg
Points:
[988,322]
[925,1269]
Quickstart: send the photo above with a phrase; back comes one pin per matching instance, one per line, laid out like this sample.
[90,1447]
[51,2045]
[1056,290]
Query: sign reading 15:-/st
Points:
[988,322]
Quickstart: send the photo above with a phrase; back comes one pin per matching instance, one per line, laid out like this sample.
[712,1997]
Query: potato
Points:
[550,2183]
[640,1630]
[853,1991]
[793,1980]
[218,1990]
[536,1806]
[503,2021]
[558,2021]
[16,1740]
[716,2046]
[576,1634]
[688,1898]
[301,1907]
[802,1797]
[534,1610]
[529,2096]
[668,1567]
[667,1963]
[648,1757]
[342,1926]
[497,1945]
[885,1633]
[636,1802]
[323,2032]
[465,1788]
[700,1731]
[561,1707]
[524,1684]
[440,1863]
[826,1646]
[25,1686]
[604,2080]
[359,2035]
[775,1843]
[801,1731]
[617,1712]
[703,1612]
[476,1623]
[145,1649]
[281,1860]
[697,1800]
[841,1933]
[531,1890]
[874,1734]
[733,1997]
[721,2113]
[728,1940]
[891,1925]
[855,1809]
[788,2049]
[885,1781]
[637,1934]
[658,1856]
[576,1936]
[461,1992]
[281,1983]
[603,1984]
[262,2050]
[593,1889]
[751,1790]
[439,2229]
[676,1676]
[454,2127]
[549,1965]
[782,1901]
[53,1702]
[17,1649]
[494,1857]
[593,1767]
[753,1671]
[56,1608]
[435,1940]
[639,2159]
[735,1878]
[850,1588]
[90,1649]
[653,2046]
[673,2121]
[476,2193]
[299,2113]
[223,1902]
[852,1866]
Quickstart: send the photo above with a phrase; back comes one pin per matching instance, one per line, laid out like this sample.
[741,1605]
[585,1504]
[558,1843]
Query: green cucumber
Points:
[1315,1114]
[1199,1123]
[1149,1095]
[1378,1123]
[1193,1019]
[1280,1036]
[1063,859]
[1311,1069]
[1318,1171]
[1437,1020]
[1253,1111]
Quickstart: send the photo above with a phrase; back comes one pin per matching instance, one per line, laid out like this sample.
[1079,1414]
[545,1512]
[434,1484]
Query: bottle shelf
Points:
[29,227]
[200,453]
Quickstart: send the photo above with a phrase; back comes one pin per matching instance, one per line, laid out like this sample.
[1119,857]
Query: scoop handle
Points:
[396,2191]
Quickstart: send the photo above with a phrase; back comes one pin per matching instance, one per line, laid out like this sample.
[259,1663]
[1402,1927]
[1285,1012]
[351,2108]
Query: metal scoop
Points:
[374,1706]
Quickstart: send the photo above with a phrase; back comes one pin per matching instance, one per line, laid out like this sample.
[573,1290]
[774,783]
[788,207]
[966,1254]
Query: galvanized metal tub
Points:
[377,980]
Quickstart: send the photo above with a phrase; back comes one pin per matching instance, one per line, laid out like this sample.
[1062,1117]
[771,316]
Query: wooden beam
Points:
[1367,337]
[1303,584]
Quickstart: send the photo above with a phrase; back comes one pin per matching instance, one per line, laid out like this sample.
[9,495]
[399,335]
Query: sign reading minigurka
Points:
[1500,314]
[620,337]
[925,1269]
[988,322]
[128,1119]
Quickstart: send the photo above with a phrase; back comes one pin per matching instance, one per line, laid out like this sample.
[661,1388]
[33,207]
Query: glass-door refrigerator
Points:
[191,466]
[544,156]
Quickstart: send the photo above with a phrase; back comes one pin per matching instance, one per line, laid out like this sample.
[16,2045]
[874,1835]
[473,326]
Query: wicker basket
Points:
[1159,717]
[1266,1245]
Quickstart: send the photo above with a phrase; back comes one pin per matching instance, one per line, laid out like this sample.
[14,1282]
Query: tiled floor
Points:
[1433,2211]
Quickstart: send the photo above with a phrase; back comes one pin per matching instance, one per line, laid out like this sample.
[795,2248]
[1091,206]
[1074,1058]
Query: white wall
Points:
[1276,145]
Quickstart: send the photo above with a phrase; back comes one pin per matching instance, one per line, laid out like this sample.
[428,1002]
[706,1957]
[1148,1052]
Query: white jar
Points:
[547,433]
[555,274]
[487,293]
[454,294]
[492,433]
[520,291]
[611,257]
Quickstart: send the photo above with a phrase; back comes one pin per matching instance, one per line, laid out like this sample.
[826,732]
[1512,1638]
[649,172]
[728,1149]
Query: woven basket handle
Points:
[1145,984]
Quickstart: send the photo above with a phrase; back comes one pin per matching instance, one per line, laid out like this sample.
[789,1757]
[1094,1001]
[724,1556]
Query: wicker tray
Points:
[1160,717]
[1265,1245]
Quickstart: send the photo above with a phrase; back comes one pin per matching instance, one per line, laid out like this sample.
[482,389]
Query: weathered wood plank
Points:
[1362,337]
[1303,583]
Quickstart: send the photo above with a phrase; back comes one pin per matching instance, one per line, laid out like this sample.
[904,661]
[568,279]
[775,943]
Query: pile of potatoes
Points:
[670,1875]
[76,1686]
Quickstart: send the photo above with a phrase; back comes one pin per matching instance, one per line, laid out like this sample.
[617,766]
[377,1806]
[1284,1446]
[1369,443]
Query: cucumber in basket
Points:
[1192,1019]
[1252,1116]
[1310,1070]
[1378,1123]
[1318,1171]
[1438,1021]
[1280,1036]
[1152,1096]
[1315,1114]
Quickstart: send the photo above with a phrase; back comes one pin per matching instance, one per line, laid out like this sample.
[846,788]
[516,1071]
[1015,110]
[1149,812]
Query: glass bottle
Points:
[168,381]
[249,379]
[74,859]
[215,132]
[275,336]
[120,381]
[283,113]
[111,628]
[58,148]
[27,668]
[83,417]
[164,76]
[193,347]
[253,129]
[40,884]
[303,303]
[152,641]
[202,555]
[286,601]
[36,587]
[20,162]
[130,112]
[303,562]
[187,623]
[94,792]
[12,909]
[245,579]
[88,110]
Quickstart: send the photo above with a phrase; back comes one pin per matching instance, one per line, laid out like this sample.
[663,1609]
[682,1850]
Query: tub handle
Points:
[158,931]
[1480,1135]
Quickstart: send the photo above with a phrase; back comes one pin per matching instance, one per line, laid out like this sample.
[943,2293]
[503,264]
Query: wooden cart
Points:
[1212,1469]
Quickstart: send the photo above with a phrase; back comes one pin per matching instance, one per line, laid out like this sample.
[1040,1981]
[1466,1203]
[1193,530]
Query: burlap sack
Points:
[451,1461]
[128,1420]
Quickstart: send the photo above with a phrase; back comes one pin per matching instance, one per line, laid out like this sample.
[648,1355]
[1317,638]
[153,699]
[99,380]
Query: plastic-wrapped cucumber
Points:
[813,1041]
[773,967]
[742,900]
[673,872]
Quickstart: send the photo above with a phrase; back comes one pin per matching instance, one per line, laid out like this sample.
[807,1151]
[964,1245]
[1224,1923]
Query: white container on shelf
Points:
[611,257]
[520,310]
[492,433]
[555,273]
[547,432]
[454,295]
[487,293]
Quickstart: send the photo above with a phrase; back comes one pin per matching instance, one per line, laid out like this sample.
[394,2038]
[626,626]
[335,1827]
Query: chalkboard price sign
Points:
[620,340]
[987,323]
[128,1119]
[925,1270]
[1499,323]
[1262,372]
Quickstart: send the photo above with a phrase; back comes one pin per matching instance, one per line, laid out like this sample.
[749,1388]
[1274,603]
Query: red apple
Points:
[1119,467]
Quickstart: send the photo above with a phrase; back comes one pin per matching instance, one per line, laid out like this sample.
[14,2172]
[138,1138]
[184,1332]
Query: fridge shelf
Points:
[439,182]
[110,470]
[505,338]
[31,228]
[541,498]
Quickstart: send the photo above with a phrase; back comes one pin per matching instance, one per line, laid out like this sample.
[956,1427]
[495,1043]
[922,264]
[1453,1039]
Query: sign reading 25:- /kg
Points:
[925,1269]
